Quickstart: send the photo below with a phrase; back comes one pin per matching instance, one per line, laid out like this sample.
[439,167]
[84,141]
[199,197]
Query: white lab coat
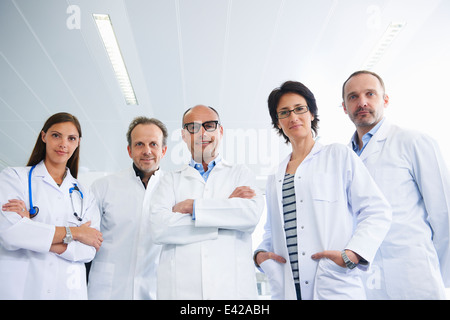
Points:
[415,256]
[125,266]
[338,207]
[209,257]
[27,269]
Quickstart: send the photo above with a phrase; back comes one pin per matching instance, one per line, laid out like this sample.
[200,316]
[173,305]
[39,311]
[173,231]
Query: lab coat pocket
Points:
[405,264]
[391,180]
[325,187]
[101,280]
[275,274]
[13,275]
[336,283]
[72,221]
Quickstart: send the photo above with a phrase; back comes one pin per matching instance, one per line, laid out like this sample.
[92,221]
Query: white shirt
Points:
[125,266]
[27,269]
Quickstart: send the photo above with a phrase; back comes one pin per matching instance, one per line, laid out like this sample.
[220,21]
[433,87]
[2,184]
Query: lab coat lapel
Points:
[279,178]
[316,149]
[191,173]
[154,180]
[376,143]
[41,172]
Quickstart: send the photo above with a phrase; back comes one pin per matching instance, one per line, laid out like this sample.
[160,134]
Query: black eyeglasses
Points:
[194,127]
[297,110]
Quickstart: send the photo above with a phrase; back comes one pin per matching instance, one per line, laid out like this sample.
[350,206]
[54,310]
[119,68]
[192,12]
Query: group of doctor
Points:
[368,221]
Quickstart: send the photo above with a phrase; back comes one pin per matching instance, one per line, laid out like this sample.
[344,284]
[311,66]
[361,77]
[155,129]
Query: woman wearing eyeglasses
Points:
[48,222]
[326,217]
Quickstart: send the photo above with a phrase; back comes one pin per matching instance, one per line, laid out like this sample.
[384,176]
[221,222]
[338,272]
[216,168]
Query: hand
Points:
[18,206]
[263,256]
[336,257]
[87,235]
[186,206]
[243,192]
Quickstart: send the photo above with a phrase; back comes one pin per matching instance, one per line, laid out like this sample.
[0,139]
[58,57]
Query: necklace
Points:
[64,176]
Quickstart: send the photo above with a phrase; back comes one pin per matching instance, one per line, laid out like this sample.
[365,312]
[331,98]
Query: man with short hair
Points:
[204,215]
[413,262]
[125,268]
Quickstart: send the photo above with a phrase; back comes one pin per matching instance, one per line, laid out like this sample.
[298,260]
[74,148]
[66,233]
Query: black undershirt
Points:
[141,174]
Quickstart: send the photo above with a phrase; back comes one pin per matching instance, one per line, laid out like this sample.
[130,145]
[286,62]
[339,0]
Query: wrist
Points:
[255,257]
[350,258]
[68,237]
[353,256]
[74,231]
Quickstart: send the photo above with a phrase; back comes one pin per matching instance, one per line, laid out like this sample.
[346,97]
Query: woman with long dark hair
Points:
[48,222]
[326,216]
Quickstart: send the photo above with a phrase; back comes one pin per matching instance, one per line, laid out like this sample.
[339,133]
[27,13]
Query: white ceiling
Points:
[223,53]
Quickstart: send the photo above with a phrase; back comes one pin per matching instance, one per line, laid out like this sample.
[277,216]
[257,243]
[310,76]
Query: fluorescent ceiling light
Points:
[105,28]
[386,40]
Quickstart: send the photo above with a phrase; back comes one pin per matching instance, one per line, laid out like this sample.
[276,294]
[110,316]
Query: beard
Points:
[364,117]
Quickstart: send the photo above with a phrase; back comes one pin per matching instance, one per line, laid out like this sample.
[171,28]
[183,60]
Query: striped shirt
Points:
[290,223]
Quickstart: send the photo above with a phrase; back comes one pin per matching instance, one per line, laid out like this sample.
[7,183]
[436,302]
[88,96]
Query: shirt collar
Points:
[138,172]
[366,138]
[211,165]
[141,174]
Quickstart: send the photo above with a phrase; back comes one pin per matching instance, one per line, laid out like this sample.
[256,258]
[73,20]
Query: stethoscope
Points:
[34,210]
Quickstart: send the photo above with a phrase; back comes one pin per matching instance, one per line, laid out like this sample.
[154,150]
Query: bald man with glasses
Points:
[204,215]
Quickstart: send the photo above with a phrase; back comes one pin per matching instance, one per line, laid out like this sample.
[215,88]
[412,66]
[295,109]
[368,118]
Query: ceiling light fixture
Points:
[386,40]
[108,36]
